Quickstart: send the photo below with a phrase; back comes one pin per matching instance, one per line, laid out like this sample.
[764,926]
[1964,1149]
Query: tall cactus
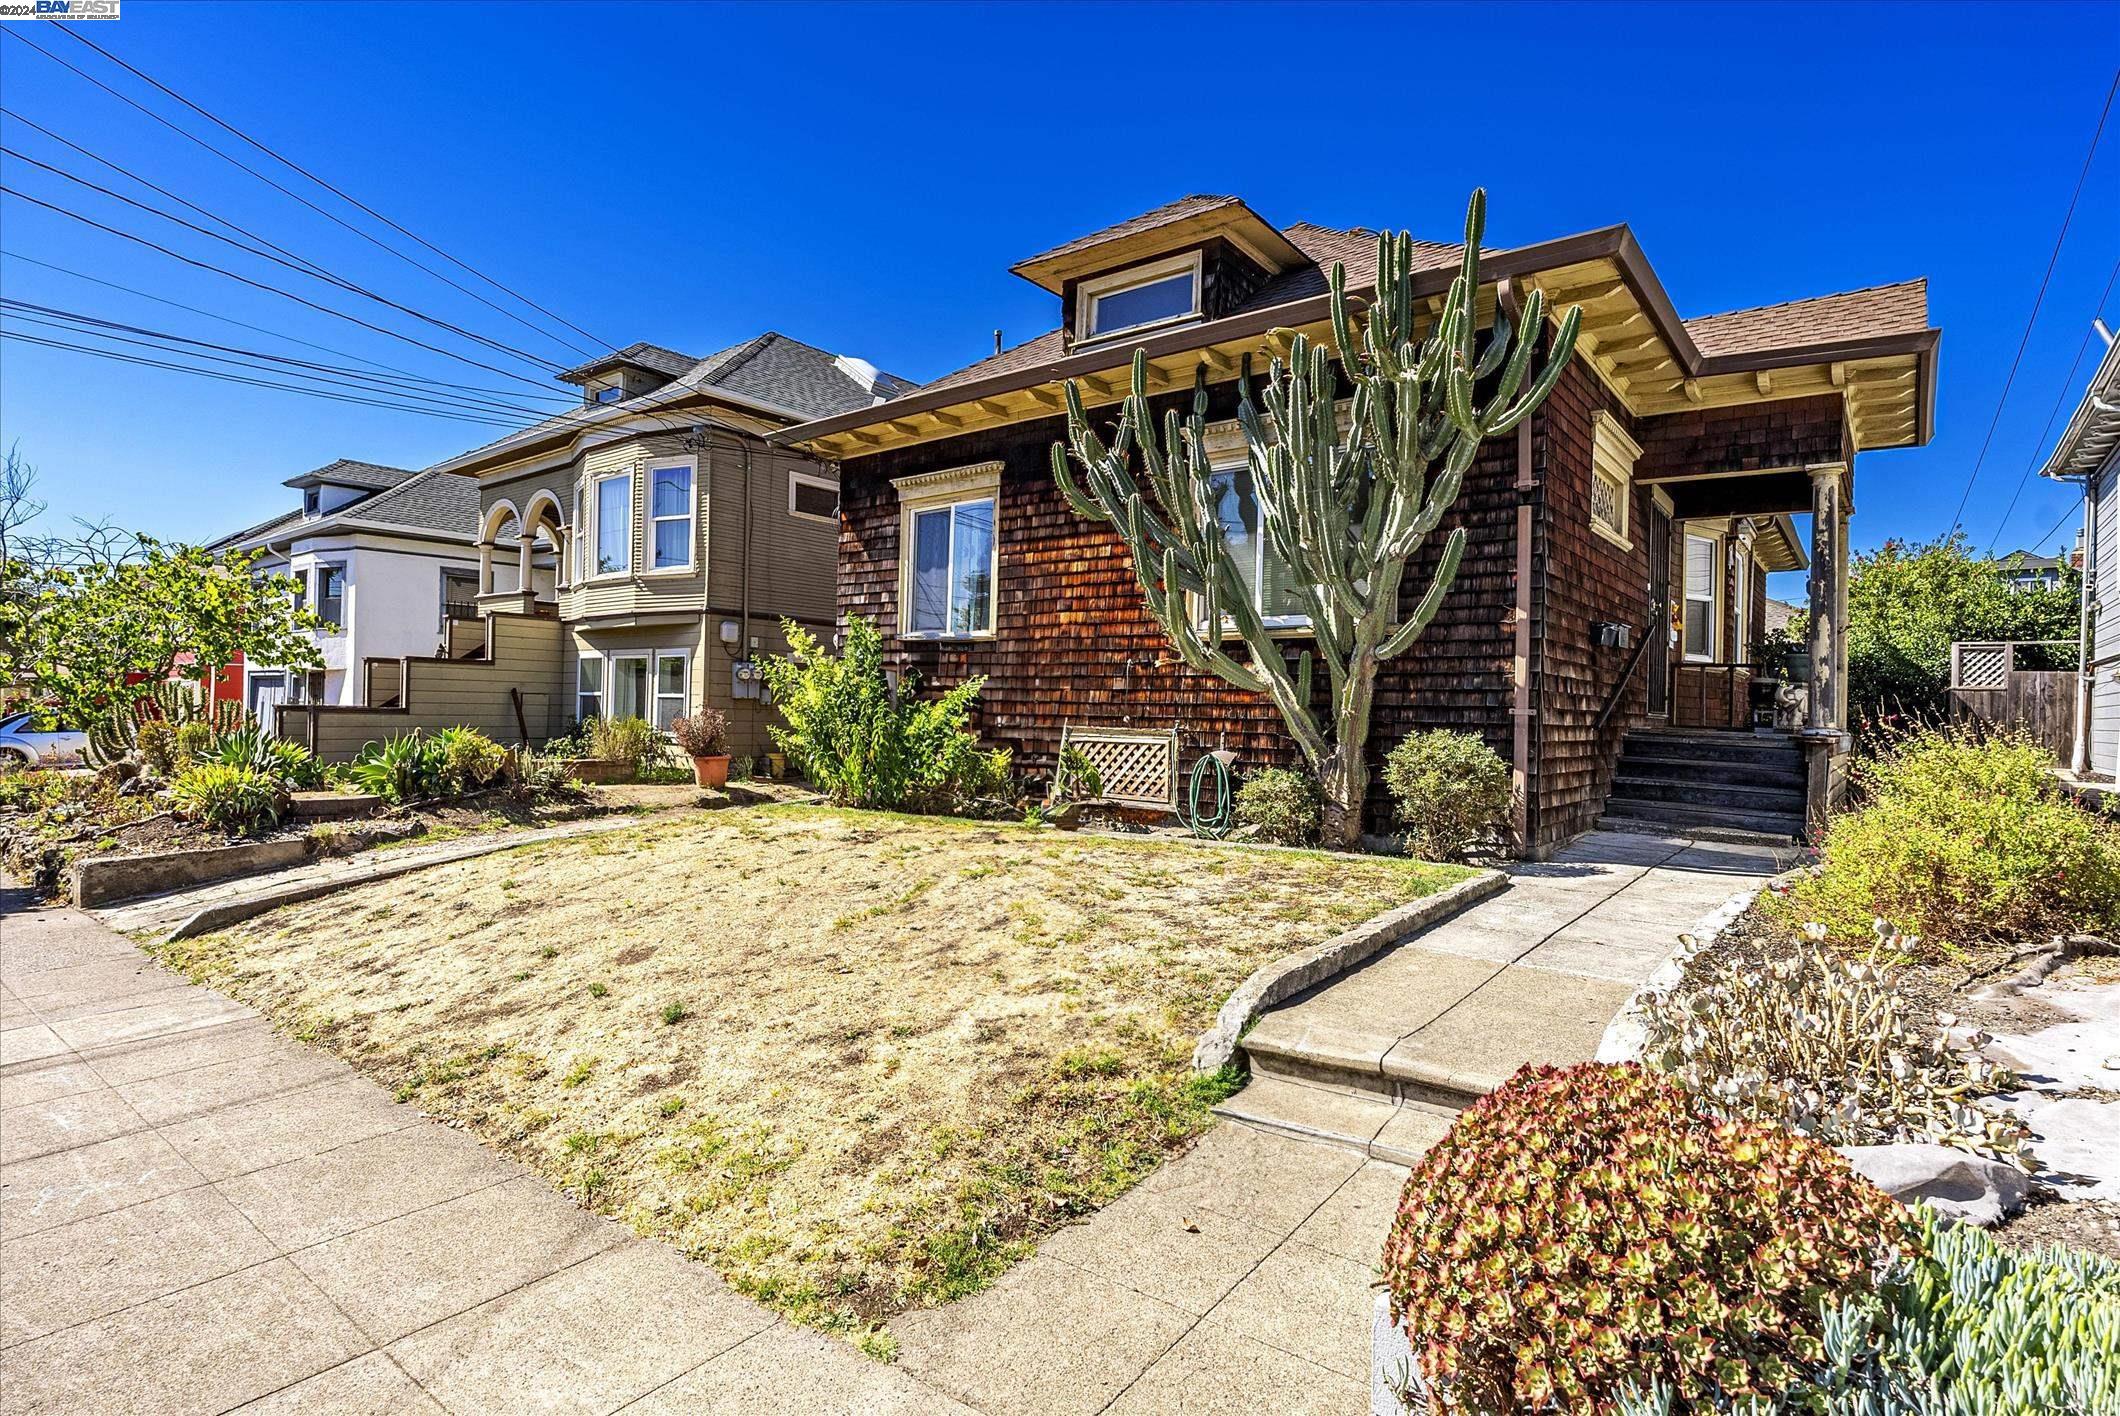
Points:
[1344,509]
[166,700]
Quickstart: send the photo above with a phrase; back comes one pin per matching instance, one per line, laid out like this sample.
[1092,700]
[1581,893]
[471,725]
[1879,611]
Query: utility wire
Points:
[1958,517]
[2065,515]
[2068,385]
[299,265]
[289,163]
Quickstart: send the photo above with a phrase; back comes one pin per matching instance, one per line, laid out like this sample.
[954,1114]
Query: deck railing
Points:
[1711,695]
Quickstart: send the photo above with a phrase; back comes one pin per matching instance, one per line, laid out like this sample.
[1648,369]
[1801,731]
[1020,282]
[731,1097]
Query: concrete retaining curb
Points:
[1292,973]
[1626,1035]
[108,880]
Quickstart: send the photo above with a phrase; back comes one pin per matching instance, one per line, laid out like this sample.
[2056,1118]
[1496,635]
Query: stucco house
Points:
[635,556]
[1599,635]
[383,555]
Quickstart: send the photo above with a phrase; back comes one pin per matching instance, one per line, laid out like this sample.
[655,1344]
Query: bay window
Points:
[670,505]
[614,524]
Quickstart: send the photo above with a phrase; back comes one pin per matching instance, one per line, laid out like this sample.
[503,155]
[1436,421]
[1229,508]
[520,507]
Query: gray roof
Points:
[348,473]
[771,369]
[667,362]
[440,502]
[2028,560]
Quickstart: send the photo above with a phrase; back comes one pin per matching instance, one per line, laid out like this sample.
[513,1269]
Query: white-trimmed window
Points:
[1612,459]
[331,594]
[1159,293]
[1702,595]
[949,557]
[1271,583]
[581,535]
[670,509]
[589,687]
[813,498]
[614,524]
[671,673]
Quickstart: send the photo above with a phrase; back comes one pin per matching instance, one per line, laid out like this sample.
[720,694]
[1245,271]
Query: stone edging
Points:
[1626,1035]
[1292,973]
[110,880]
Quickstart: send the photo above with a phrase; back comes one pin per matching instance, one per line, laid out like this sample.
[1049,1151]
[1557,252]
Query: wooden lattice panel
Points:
[1982,666]
[1136,768]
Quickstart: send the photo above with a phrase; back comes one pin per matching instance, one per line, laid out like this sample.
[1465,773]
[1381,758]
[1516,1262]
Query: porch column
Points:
[522,561]
[1828,597]
[485,569]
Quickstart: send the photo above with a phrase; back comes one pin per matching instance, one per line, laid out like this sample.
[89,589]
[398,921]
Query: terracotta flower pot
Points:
[711,771]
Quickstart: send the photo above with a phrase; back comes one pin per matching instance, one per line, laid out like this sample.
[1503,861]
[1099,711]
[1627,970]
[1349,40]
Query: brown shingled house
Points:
[1600,631]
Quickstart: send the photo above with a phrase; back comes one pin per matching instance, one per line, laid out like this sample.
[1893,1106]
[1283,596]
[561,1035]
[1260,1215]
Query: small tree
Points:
[1345,510]
[95,623]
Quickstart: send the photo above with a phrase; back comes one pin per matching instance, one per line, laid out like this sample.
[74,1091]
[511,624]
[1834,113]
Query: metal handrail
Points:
[1619,689]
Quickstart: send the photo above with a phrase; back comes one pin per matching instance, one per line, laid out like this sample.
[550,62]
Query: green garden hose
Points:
[1213,827]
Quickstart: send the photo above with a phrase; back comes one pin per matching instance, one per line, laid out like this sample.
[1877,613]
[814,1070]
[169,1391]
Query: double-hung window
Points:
[331,595]
[614,524]
[670,688]
[670,505]
[1159,293]
[1268,581]
[950,554]
[589,688]
[1699,643]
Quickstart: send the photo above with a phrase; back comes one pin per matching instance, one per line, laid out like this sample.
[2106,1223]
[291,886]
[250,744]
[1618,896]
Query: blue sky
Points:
[861,178]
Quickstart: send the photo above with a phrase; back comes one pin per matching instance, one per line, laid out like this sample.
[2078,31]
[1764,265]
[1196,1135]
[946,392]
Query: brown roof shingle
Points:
[1902,308]
[1147,221]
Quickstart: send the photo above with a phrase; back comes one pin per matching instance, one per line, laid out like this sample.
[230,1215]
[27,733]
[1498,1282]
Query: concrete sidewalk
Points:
[1382,1055]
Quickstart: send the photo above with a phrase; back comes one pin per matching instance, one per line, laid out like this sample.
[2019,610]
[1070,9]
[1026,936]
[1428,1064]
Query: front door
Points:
[1659,630]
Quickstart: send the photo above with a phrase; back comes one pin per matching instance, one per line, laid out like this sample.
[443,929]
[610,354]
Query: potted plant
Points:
[704,737]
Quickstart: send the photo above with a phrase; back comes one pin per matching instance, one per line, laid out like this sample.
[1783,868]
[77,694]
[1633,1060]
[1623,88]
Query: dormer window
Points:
[608,395]
[1159,293]
[311,501]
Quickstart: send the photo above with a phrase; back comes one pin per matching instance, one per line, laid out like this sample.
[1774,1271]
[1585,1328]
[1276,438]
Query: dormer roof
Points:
[648,358]
[1174,226]
[369,476]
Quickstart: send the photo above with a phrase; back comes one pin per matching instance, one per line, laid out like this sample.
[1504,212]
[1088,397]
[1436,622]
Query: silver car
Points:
[21,741]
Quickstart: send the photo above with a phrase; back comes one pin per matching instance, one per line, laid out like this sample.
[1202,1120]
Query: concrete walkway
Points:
[1383,1055]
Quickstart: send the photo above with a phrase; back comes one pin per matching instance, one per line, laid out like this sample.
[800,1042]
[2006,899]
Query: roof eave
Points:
[2089,420]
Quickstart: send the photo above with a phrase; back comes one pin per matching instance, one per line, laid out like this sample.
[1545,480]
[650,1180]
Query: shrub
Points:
[702,734]
[633,741]
[156,742]
[1583,1229]
[1452,792]
[30,788]
[865,744]
[1075,778]
[1961,839]
[290,764]
[408,767]
[470,759]
[1829,1047]
[547,774]
[1286,807]
[240,800]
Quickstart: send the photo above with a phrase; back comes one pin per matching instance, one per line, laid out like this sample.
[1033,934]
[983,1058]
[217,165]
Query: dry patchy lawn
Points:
[856,1062]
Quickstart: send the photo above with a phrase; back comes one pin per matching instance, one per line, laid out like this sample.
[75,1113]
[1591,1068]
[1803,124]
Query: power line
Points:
[1958,517]
[298,264]
[2068,386]
[2065,515]
[343,196]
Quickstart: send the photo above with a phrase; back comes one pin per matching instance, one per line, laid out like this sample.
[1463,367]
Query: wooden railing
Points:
[1711,695]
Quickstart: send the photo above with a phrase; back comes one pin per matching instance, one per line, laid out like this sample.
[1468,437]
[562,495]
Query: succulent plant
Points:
[117,736]
[1829,1046]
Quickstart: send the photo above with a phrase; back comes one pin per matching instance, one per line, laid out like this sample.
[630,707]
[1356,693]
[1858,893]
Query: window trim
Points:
[1714,600]
[1228,450]
[587,658]
[1088,292]
[323,571]
[596,483]
[1612,458]
[936,491]
[655,693]
[690,518]
[796,479]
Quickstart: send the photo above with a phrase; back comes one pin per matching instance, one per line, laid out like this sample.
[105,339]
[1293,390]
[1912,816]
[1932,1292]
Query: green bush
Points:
[240,800]
[1452,792]
[408,767]
[1585,1230]
[633,741]
[194,743]
[1959,839]
[470,760]
[156,742]
[864,744]
[30,788]
[290,764]
[1285,807]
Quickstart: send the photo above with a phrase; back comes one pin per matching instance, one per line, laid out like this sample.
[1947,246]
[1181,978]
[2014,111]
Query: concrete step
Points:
[1706,789]
[1691,769]
[1376,1126]
[1721,835]
[1669,816]
[1272,1058]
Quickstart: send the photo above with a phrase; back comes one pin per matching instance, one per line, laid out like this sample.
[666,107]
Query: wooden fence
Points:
[1988,687]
